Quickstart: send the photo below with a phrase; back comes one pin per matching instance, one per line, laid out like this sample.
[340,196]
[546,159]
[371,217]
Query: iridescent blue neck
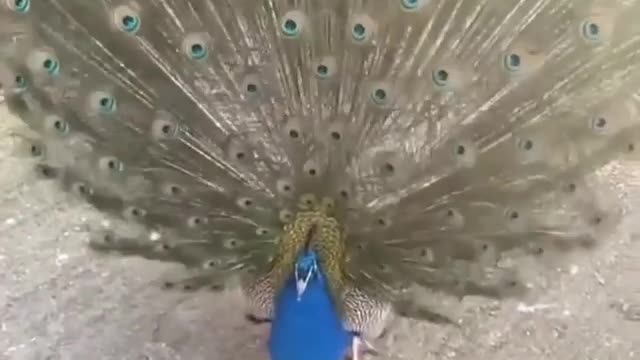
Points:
[307,324]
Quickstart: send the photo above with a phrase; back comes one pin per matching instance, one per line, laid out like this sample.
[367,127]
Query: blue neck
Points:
[308,327]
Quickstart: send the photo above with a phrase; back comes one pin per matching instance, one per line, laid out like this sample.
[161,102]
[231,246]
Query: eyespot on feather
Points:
[285,216]
[196,221]
[196,46]
[172,190]
[110,164]
[245,203]
[81,189]
[19,6]
[126,19]
[325,67]
[102,102]
[251,86]
[284,187]
[361,29]
[293,24]
[134,213]
[28,148]
[43,62]
[56,125]
[413,5]
[163,127]
[307,201]
[381,94]
[261,231]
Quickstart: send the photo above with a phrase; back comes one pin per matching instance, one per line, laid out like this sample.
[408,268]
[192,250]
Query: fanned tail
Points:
[457,137]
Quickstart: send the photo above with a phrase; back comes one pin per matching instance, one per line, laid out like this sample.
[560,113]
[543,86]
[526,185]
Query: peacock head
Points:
[306,271]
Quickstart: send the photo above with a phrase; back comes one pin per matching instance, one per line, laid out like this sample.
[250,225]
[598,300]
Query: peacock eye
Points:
[292,24]
[20,6]
[110,164]
[286,216]
[284,186]
[102,102]
[290,27]
[36,150]
[20,81]
[512,62]
[126,19]
[107,104]
[379,96]
[51,66]
[325,67]
[412,5]
[130,23]
[251,86]
[591,31]
[322,70]
[440,77]
[359,32]
[361,29]
[526,144]
[198,51]
[57,125]
[196,46]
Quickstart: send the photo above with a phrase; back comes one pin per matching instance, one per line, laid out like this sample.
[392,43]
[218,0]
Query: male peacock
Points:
[329,155]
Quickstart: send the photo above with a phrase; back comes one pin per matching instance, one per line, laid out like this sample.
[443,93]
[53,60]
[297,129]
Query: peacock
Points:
[331,158]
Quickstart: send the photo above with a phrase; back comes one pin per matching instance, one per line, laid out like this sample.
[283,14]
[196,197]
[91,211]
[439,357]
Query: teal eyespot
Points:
[61,126]
[379,96]
[293,23]
[130,23]
[57,125]
[196,46]
[361,29]
[412,5]
[440,77]
[198,51]
[322,70]
[359,32]
[20,81]
[110,164]
[21,6]
[512,62]
[51,65]
[107,104]
[290,28]
[126,19]
[325,67]
[591,31]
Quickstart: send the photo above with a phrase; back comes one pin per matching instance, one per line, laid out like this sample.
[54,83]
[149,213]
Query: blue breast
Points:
[309,329]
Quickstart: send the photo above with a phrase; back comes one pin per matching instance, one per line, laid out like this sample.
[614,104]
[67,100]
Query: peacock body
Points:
[329,156]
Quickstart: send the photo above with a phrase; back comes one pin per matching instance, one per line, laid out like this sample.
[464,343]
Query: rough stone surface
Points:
[58,300]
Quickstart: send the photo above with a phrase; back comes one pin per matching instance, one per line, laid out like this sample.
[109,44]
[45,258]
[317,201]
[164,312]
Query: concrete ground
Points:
[60,301]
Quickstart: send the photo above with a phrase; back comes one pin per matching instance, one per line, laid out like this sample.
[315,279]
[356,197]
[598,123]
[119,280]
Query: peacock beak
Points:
[302,282]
